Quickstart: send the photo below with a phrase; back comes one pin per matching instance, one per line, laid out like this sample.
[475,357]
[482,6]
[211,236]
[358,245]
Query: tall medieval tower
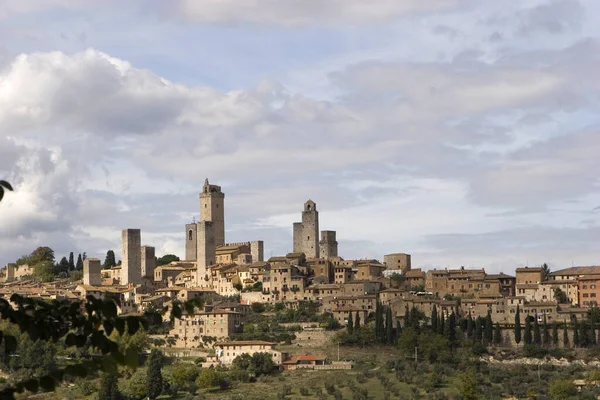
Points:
[212,208]
[306,233]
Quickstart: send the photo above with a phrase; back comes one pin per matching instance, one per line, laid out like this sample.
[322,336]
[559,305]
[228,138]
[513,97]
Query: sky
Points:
[462,132]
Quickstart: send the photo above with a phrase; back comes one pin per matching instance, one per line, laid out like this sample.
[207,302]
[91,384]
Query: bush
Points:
[531,350]
[304,391]
[330,387]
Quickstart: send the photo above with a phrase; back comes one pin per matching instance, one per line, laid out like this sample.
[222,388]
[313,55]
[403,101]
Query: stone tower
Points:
[91,272]
[306,233]
[206,252]
[399,261]
[191,242]
[328,244]
[257,250]
[212,209]
[131,267]
[148,262]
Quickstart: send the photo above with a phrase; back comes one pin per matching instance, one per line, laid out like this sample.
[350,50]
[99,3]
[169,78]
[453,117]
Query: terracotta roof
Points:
[501,275]
[309,357]
[589,270]
[529,269]
[414,273]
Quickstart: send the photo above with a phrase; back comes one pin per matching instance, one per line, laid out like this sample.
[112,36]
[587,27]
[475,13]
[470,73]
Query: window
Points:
[190,235]
[585,286]
[592,286]
[592,294]
[586,295]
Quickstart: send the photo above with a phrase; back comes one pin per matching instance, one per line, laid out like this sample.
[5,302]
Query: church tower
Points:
[212,209]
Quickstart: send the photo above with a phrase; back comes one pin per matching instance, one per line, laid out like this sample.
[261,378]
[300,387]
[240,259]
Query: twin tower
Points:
[306,235]
[203,237]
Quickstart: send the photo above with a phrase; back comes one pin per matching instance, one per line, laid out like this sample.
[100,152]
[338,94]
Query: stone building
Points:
[206,257]
[131,267]
[529,275]
[306,233]
[328,244]
[397,261]
[92,275]
[226,352]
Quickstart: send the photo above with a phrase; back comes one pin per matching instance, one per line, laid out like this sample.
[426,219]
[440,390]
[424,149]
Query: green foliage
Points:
[109,389]
[258,307]
[350,324]
[497,334]
[75,276]
[136,387]
[537,337]
[44,271]
[468,386]
[71,262]
[357,322]
[210,378]
[109,260]
[565,335]
[562,389]
[488,329]
[154,375]
[434,318]
[518,326]
[527,335]
[534,351]
[560,296]
[166,259]
[79,264]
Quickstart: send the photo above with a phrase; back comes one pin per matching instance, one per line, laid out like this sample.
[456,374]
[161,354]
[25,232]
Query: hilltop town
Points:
[238,275]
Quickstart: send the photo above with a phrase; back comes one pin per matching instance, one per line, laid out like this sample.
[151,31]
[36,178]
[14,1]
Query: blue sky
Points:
[462,132]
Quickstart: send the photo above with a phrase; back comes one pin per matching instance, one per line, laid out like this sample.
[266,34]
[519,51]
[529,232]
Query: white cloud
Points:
[298,13]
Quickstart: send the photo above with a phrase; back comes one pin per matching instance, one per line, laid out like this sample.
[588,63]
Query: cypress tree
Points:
[357,322]
[441,327]
[71,262]
[79,265]
[592,326]
[478,330]
[109,260]
[470,326]
[545,333]
[575,332]
[350,324]
[434,318]
[555,334]
[518,326]
[527,334]
[451,329]
[497,334]
[537,337]
[389,326]
[583,334]
[109,389]
[406,316]
[566,335]
[488,332]
[154,381]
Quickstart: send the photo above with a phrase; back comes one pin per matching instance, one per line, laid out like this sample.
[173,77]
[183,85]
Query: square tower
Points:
[328,244]
[257,249]
[131,267]
[91,272]
[212,209]
[191,242]
[148,254]
[310,230]
[207,253]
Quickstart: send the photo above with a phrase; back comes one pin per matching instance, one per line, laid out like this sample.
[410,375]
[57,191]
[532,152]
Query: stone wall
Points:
[131,267]
[313,337]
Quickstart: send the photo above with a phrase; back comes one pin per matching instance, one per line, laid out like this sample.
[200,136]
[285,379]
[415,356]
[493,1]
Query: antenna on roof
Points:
[193,220]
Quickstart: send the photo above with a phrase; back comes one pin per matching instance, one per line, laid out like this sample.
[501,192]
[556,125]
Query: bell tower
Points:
[212,209]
